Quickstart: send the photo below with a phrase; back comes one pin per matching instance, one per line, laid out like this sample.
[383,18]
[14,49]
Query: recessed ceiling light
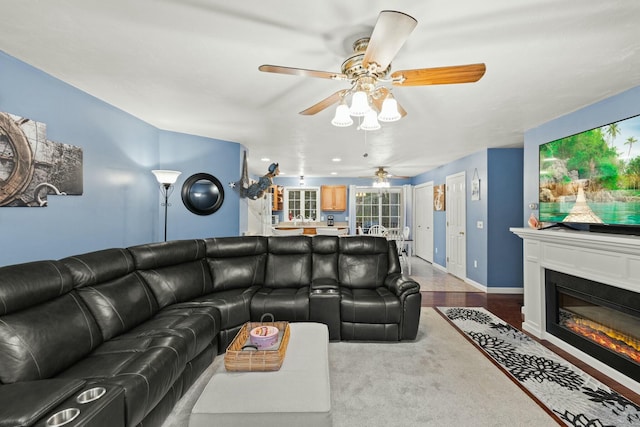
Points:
[265,159]
[334,173]
[336,159]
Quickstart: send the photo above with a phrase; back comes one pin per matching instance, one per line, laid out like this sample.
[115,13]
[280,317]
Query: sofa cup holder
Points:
[90,395]
[63,417]
[325,291]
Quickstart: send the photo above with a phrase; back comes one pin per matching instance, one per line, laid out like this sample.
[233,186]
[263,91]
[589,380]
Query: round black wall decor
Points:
[202,194]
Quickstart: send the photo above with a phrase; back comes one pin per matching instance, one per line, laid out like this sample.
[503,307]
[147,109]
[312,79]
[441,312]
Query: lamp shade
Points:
[359,104]
[370,121]
[389,111]
[166,176]
[342,117]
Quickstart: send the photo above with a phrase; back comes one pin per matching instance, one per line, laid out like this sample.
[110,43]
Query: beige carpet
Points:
[440,379]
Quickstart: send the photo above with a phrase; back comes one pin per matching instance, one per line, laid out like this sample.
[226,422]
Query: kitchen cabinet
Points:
[276,197]
[333,197]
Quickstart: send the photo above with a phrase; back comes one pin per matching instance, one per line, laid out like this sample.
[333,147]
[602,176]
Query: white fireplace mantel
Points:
[606,258]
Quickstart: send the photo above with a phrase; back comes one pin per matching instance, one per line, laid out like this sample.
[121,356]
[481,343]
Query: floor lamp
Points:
[166,179]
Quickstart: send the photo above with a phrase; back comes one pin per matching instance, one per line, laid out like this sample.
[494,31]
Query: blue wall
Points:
[220,159]
[499,207]
[618,107]
[476,241]
[121,203]
[504,249]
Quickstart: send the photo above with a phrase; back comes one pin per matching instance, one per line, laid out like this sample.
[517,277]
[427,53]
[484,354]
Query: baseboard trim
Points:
[475,284]
[494,290]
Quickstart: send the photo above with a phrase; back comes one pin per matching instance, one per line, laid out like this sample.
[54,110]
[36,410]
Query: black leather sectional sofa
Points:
[144,322]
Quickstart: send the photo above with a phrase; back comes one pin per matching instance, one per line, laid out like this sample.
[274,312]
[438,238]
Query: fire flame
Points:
[606,337]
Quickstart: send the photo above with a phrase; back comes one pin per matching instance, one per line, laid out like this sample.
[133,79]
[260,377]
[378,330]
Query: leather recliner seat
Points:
[149,319]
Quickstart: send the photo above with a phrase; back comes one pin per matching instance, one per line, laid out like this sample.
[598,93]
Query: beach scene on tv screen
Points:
[593,176]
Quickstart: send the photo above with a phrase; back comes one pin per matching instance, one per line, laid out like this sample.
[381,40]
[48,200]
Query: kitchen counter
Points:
[314,224]
[309,228]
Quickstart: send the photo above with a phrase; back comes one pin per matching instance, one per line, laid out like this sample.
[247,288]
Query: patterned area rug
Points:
[572,395]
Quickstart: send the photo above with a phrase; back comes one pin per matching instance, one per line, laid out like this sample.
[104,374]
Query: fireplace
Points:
[601,320]
[611,261]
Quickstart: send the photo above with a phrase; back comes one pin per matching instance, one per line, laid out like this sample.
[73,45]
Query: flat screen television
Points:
[591,180]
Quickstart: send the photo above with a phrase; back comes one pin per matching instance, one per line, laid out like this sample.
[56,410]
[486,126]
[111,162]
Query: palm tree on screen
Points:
[612,131]
[630,141]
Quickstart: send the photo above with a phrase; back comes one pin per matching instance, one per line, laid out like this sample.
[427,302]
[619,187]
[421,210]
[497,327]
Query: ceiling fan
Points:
[369,69]
[381,177]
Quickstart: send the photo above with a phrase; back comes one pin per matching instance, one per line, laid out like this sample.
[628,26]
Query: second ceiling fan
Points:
[369,70]
[381,177]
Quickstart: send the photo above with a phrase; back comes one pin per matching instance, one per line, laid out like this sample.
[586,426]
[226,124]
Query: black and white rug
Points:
[570,393]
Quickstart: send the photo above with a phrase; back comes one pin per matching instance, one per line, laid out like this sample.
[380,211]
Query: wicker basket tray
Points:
[237,359]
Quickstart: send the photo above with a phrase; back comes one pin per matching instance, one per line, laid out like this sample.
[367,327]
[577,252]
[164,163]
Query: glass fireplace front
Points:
[601,320]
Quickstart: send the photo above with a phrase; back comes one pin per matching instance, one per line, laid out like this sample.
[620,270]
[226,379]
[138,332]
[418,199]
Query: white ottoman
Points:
[296,395]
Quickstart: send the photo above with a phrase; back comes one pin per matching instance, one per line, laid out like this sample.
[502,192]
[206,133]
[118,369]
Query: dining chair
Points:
[378,230]
[402,247]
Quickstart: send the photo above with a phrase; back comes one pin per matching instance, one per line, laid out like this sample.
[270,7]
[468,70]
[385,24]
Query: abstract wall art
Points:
[32,167]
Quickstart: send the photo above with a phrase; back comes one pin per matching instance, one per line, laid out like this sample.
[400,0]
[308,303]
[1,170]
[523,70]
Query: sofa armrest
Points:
[400,284]
[24,403]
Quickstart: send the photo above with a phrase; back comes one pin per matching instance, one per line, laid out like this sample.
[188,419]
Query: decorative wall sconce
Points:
[166,179]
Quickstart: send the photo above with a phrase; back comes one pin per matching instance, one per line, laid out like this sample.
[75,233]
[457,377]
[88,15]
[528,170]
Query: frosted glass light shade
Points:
[342,117]
[370,121]
[389,111]
[381,184]
[359,104]
[166,176]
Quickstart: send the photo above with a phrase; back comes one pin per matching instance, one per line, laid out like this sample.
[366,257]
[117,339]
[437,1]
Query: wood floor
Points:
[508,308]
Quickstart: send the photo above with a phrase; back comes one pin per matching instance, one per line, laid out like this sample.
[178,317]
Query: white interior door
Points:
[423,221]
[456,207]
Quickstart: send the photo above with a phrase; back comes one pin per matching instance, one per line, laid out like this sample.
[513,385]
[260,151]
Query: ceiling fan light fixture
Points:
[359,104]
[381,183]
[368,69]
[370,121]
[342,117]
[389,111]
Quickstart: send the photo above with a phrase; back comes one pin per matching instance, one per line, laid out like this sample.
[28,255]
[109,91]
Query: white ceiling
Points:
[192,66]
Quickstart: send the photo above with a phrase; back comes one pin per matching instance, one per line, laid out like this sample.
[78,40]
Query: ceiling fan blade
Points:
[439,76]
[389,34]
[301,72]
[377,101]
[325,103]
